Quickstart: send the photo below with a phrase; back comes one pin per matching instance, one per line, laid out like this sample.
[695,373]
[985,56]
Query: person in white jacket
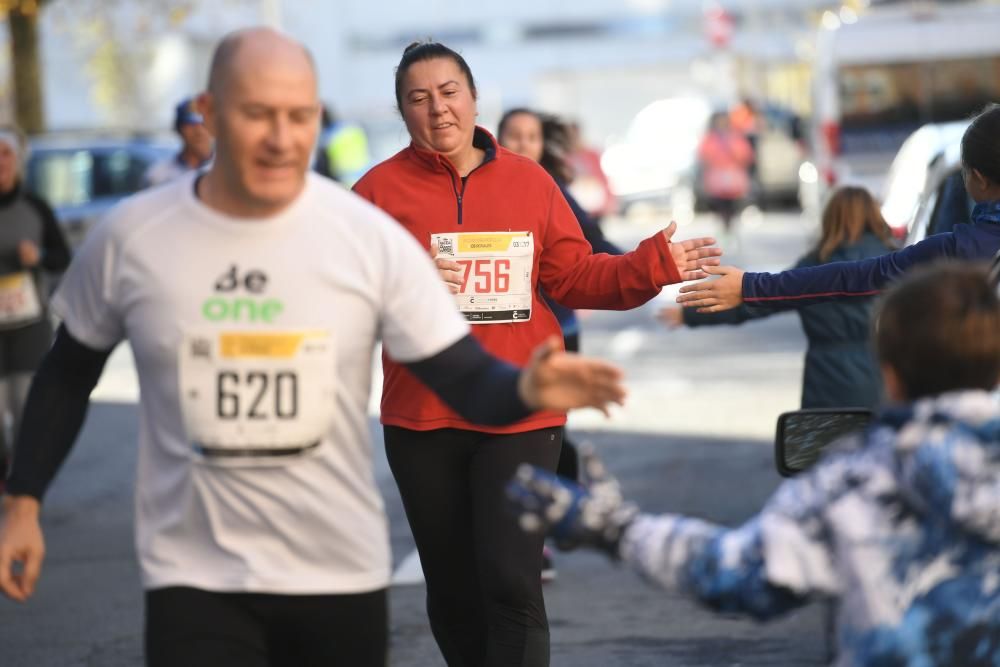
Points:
[900,524]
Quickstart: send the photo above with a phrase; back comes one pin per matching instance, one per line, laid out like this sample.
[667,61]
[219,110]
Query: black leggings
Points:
[188,627]
[569,457]
[483,573]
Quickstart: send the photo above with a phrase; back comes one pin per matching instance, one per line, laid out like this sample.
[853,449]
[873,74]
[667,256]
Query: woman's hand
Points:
[692,255]
[28,253]
[712,296]
[451,271]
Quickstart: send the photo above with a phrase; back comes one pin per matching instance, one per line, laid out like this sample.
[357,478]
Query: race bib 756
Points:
[496,274]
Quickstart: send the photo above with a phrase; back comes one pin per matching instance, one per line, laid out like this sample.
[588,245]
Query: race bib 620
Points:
[252,396]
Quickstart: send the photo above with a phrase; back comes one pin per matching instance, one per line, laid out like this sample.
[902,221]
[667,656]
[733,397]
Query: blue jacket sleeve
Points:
[724,569]
[778,560]
[734,316]
[803,286]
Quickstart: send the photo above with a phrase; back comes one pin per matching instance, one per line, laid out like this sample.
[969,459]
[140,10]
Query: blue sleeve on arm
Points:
[54,413]
[475,384]
[804,286]
[743,588]
[723,569]
[693,318]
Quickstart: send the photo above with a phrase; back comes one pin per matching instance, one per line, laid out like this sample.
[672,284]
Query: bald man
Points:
[253,296]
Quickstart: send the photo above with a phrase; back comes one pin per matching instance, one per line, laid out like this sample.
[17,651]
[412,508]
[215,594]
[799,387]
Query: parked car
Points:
[780,153]
[658,151]
[898,66]
[944,202]
[915,172]
[82,177]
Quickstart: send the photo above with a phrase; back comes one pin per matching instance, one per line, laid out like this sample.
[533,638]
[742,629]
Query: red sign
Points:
[719,27]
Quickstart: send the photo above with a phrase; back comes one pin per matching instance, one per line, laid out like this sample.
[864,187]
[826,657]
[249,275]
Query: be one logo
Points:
[228,306]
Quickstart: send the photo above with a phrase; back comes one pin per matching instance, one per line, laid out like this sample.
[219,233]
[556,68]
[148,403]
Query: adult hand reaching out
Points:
[692,255]
[558,380]
[712,296]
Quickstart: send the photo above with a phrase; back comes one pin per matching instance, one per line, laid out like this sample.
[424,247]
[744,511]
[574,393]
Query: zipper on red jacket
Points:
[459,196]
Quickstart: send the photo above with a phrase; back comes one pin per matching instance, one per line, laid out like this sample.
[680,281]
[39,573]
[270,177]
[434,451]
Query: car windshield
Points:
[882,103]
[77,176]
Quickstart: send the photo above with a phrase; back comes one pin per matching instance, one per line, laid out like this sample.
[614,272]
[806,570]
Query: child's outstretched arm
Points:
[728,570]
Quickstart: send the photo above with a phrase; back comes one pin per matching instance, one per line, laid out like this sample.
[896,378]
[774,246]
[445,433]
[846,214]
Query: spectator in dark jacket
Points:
[32,251]
[793,288]
[840,370]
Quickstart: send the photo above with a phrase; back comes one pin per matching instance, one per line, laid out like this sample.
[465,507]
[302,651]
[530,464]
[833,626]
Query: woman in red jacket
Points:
[500,229]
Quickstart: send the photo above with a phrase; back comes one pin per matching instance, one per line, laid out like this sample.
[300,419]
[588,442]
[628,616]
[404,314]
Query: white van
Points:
[894,69]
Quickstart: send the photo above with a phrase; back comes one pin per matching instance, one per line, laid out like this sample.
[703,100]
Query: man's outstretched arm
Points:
[486,390]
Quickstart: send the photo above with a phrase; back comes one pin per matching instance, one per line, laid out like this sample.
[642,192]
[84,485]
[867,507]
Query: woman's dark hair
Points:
[848,214]
[555,142]
[420,51]
[981,144]
[939,330]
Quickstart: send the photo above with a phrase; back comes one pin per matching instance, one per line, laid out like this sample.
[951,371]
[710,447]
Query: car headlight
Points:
[808,173]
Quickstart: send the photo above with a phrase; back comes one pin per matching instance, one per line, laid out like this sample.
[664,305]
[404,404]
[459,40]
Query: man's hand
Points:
[593,515]
[28,254]
[692,255]
[712,296]
[557,380]
[450,270]
[21,546]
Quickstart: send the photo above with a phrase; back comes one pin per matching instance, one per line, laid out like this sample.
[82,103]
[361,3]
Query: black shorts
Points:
[189,627]
[22,349]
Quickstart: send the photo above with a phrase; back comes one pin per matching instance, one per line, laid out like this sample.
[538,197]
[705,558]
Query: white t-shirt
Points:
[228,317]
[165,171]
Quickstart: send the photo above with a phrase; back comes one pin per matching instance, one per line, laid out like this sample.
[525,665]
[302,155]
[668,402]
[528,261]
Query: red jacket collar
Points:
[481,138]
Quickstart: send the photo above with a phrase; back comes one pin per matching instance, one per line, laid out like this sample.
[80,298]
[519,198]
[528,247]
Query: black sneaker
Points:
[548,569]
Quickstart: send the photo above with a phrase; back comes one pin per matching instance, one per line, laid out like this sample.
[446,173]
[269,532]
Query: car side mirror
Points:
[803,434]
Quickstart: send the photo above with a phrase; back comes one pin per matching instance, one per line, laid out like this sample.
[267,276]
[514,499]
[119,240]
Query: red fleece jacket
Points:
[423,191]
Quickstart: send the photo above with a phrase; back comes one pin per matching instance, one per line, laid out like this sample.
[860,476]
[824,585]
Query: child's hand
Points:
[593,515]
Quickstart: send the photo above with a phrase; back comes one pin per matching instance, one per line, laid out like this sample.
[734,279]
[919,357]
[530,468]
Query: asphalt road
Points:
[695,437]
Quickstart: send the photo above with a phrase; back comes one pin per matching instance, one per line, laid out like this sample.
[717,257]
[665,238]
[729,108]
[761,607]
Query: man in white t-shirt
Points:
[253,296]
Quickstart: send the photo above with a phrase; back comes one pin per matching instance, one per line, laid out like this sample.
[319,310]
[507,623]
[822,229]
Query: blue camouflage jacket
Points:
[796,287]
[902,526]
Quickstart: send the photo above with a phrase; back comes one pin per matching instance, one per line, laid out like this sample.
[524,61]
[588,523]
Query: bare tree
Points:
[22,18]
[116,40]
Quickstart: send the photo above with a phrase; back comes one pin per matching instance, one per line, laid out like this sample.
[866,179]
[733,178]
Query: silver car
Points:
[82,177]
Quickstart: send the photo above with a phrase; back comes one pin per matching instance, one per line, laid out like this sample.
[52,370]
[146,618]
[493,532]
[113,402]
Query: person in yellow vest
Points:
[343,150]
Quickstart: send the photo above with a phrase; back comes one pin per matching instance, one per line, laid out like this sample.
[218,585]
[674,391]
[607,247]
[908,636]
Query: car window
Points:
[883,102]
[73,177]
